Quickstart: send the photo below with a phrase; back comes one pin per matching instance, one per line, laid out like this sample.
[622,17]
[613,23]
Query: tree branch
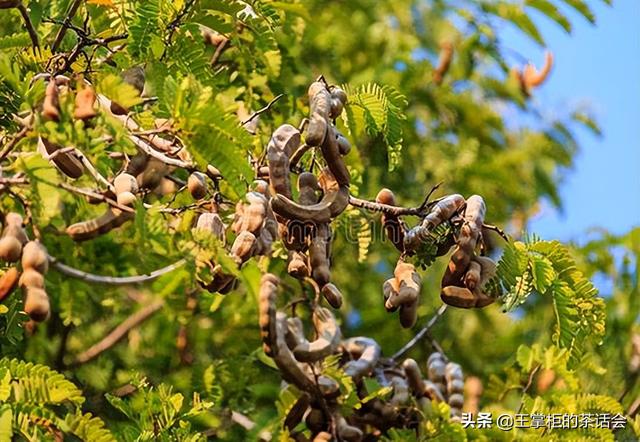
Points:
[27,23]
[261,111]
[65,24]
[118,333]
[113,280]
[421,334]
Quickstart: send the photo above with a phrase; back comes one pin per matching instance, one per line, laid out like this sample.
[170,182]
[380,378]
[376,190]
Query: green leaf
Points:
[551,11]
[514,13]
[583,8]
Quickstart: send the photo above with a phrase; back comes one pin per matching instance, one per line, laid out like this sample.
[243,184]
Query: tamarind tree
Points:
[213,211]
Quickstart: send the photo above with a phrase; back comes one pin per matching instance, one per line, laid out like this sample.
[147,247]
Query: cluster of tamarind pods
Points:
[300,363]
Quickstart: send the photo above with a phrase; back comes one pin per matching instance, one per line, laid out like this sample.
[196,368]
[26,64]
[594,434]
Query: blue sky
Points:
[598,67]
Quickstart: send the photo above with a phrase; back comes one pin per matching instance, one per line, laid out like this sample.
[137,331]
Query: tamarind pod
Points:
[331,205]
[319,113]
[250,217]
[244,246]
[318,260]
[51,104]
[34,256]
[443,210]
[475,212]
[367,353]
[344,146]
[10,248]
[295,333]
[332,295]
[455,386]
[414,377]
[488,269]
[283,141]
[458,296]
[483,300]
[297,411]
[85,98]
[400,391]
[212,223]
[236,224]
[431,389]
[8,4]
[533,78]
[229,286]
[472,277]
[153,173]
[221,282]
[267,312]
[453,372]
[328,387]
[347,432]
[289,367]
[436,355]
[322,436]
[408,314]
[137,164]
[393,228]
[444,61]
[197,185]
[90,229]
[327,341]
[339,94]
[390,290]
[126,199]
[64,162]
[297,266]
[409,283]
[8,282]
[125,182]
[336,108]
[456,401]
[31,278]
[315,421]
[436,369]
[264,243]
[334,160]
[36,304]
[307,188]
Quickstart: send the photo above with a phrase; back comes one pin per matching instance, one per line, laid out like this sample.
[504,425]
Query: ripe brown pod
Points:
[31,278]
[64,162]
[408,315]
[347,432]
[393,227]
[284,140]
[212,223]
[297,266]
[327,341]
[34,256]
[472,277]
[197,185]
[244,246]
[126,199]
[366,353]
[332,295]
[36,304]
[414,377]
[125,182]
[409,284]
[390,290]
[318,255]
[458,296]
[267,308]
[8,282]
[85,98]
[10,249]
[51,105]
[319,113]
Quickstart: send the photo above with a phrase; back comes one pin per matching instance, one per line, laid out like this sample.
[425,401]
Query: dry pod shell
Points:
[34,256]
[244,245]
[85,99]
[332,294]
[126,199]
[36,304]
[125,182]
[8,282]
[10,249]
[197,185]
[51,105]
[31,278]
[65,162]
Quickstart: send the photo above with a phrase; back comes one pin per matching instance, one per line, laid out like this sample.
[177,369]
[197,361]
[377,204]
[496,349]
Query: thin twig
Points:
[27,23]
[263,110]
[219,50]
[118,333]
[13,181]
[12,143]
[391,210]
[526,387]
[65,24]
[113,280]
[95,195]
[421,334]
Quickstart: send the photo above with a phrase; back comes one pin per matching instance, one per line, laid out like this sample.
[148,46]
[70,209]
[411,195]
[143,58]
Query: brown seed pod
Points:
[472,277]
[283,142]
[34,256]
[212,223]
[8,282]
[267,307]
[213,173]
[290,368]
[408,315]
[366,353]
[250,216]
[393,227]
[51,105]
[433,391]
[65,162]
[442,211]
[414,377]
[390,290]
[409,283]
[85,98]
[319,257]
[197,185]
[458,296]
[437,368]
[36,304]
[319,113]
[92,228]
[531,78]
[327,341]
[444,61]
[126,199]
[335,163]
[347,432]
[31,278]
[244,246]
[329,388]
[10,249]
[297,265]
[125,182]
[307,189]
[332,295]
[153,173]
[344,146]
[400,391]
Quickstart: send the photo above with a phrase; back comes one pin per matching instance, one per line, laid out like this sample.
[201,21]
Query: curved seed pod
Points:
[367,353]
[327,341]
[85,230]
[332,295]
[347,432]
[296,413]
[444,61]
[283,357]
[328,387]
[244,246]
[65,162]
[297,266]
[250,217]
[458,296]
[443,210]
[390,290]
[283,142]
[408,314]
[31,278]
[13,227]
[125,182]
[267,309]
[472,277]
[335,163]
[322,436]
[453,372]
[400,391]
[393,227]
[409,284]
[34,256]
[212,223]
[153,173]
[10,249]
[307,188]
[137,164]
[197,185]
[85,98]
[36,304]
[318,258]
[339,94]
[414,377]
[433,391]
[344,146]
[319,113]
[488,269]
[295,333]
[8,282]
[530,75]
[126,199]
[332,204]
[336,108]
[51,105]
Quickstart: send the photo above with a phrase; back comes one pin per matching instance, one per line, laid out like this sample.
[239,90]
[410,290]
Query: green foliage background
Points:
[409,134]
